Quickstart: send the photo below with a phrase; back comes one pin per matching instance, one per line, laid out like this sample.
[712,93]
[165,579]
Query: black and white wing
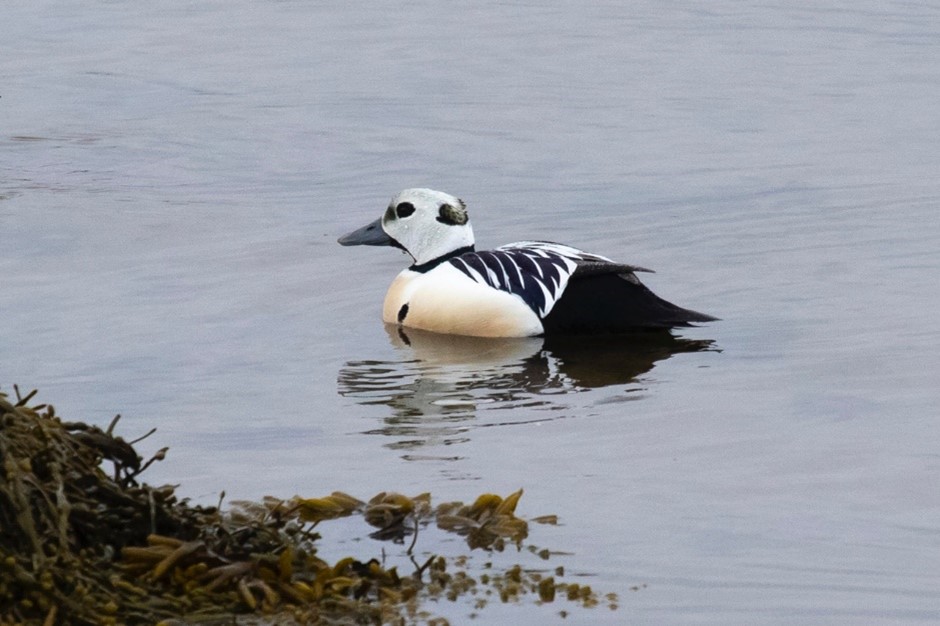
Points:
[536,271]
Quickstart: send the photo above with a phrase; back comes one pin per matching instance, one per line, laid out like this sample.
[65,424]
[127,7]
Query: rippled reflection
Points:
[443,385]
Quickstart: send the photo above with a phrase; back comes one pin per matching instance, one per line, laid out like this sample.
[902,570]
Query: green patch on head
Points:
[453,215]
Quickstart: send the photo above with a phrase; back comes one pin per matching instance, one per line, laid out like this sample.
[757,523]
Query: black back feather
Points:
[614,303]
[516,271]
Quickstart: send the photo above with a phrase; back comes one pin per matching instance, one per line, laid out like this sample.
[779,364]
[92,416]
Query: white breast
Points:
[445,300]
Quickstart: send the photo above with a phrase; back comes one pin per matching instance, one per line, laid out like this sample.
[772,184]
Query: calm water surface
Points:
[173,179]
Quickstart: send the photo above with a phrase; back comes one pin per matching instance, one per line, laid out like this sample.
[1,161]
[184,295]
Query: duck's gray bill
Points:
[369,235]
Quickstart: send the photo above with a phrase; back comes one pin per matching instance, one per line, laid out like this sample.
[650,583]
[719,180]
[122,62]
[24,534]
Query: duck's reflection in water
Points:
[442,385]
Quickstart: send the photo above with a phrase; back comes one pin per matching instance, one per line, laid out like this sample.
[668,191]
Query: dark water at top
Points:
[173,178]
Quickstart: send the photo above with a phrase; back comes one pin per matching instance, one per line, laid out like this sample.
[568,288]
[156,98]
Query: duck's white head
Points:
[426,224]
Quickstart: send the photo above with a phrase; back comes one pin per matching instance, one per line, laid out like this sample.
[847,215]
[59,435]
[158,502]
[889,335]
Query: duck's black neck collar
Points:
[430,265]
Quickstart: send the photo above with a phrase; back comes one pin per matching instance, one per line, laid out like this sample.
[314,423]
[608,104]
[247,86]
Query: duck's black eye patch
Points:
[404,209]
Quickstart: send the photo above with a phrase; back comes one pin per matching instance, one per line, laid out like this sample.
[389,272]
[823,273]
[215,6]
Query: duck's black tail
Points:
[614,303]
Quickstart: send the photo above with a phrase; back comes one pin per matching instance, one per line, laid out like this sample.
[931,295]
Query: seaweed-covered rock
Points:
[80,545]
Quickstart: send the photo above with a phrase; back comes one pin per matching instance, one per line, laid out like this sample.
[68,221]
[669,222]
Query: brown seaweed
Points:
[81,546]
